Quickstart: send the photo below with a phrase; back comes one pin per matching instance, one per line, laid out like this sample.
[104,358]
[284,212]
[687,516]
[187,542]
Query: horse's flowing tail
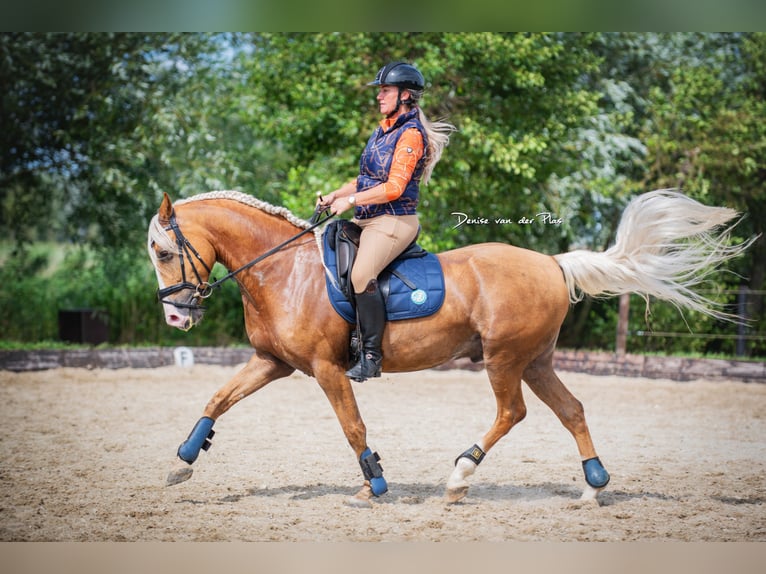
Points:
[667,244]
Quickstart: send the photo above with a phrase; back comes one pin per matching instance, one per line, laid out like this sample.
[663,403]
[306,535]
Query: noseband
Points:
[203,289]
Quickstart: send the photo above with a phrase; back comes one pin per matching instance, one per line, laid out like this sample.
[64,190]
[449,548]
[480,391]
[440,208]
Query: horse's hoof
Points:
[590,494]
[361,499]
[355,502]
[179,475]
[456,494]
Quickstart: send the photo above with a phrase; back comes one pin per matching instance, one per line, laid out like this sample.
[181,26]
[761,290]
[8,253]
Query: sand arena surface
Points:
[86,454]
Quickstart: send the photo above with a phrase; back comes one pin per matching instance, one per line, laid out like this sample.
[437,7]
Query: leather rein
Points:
[203,289]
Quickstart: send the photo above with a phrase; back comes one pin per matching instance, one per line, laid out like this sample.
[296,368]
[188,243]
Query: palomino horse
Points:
[503,305]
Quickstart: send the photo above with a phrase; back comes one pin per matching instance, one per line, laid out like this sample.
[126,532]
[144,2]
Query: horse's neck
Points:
[241,233]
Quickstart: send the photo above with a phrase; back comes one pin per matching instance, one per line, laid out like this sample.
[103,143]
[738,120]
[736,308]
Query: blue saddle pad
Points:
[402,301]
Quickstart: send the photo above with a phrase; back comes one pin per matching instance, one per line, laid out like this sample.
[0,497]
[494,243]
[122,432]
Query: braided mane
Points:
[252,202]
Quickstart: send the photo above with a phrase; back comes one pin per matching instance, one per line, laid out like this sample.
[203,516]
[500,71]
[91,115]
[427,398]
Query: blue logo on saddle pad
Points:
[423,296]
[419,297]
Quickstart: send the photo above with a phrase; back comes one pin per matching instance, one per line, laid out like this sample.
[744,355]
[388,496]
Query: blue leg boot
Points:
[373,472]
[595,474]
[199,439]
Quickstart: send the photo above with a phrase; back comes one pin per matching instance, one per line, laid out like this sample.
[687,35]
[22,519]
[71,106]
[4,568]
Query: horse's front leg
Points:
[336,386]
[257,373]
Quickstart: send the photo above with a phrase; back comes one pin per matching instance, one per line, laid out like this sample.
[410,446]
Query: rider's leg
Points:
[383,239]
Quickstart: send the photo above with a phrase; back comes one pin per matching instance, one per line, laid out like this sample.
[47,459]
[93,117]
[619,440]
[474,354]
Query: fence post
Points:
[742,312]
[622,324]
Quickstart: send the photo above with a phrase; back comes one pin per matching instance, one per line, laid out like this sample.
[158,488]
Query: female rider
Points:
[399,156]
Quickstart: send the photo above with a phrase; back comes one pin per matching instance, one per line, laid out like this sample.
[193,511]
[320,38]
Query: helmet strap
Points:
[399,102]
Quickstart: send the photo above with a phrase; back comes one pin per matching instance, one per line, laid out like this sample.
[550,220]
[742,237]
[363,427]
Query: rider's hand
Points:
[340,205]
[326,200]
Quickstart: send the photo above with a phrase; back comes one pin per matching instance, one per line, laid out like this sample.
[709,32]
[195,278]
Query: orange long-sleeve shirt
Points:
[409,149]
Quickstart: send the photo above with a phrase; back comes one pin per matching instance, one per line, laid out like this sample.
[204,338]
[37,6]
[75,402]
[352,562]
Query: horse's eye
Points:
[163,255]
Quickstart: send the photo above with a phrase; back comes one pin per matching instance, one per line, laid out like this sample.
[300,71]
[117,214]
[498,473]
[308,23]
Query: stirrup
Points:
[368,367]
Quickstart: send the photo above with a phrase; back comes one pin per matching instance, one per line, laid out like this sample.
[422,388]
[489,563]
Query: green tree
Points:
[516,99]
[96,126]
[708,138]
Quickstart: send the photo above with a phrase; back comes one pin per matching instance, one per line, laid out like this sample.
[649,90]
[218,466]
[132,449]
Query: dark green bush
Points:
[120,284]
[42,280]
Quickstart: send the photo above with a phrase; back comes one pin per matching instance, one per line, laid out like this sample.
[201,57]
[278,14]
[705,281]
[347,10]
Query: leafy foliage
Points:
[555,133]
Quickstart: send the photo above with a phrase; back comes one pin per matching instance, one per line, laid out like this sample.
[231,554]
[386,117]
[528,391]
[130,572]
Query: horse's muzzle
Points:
[184,312]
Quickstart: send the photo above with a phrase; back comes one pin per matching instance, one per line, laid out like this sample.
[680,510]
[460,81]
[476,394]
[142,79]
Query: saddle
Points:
[412,285]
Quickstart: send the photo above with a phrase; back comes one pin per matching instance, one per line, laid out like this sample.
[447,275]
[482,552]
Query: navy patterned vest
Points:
[375,164]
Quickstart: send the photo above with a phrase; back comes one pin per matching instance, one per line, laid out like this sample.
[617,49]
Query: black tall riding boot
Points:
[371,314]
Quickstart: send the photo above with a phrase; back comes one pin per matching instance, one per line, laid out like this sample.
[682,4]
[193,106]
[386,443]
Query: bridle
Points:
[203,289]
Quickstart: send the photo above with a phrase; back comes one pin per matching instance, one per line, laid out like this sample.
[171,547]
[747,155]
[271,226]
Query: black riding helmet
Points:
[399,74]
[405,77]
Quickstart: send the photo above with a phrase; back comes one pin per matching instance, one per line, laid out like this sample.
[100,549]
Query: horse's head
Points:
[182,261]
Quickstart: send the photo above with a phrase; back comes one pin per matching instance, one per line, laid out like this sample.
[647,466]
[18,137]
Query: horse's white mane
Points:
[158,234]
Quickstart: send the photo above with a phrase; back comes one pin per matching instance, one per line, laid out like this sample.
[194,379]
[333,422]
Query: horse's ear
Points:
[166,209]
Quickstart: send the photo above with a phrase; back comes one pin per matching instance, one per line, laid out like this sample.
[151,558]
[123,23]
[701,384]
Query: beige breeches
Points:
[383,239]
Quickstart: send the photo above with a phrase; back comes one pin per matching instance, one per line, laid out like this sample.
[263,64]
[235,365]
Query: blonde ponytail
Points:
[438,138]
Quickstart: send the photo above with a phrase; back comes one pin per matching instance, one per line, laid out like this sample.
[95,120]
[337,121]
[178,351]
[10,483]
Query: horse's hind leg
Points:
[258,372]
[542,379]
[506,384]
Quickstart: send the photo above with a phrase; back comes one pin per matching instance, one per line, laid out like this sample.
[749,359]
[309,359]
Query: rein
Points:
[203,289]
